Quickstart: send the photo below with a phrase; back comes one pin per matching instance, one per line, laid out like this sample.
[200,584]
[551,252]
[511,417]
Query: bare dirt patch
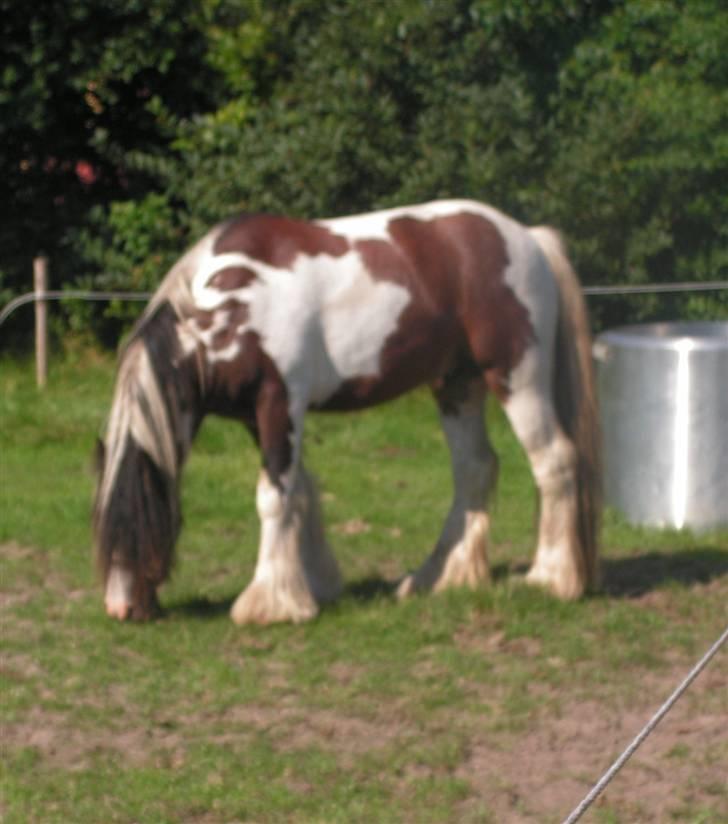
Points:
[542,773]
[68,746]
[535,773]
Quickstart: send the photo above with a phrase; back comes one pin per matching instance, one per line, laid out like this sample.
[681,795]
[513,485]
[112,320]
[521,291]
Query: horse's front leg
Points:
[295,572]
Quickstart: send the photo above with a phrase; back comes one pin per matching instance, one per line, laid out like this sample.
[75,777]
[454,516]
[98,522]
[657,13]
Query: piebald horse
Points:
[268,317]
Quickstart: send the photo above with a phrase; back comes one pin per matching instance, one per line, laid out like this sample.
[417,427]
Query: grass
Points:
[438,708]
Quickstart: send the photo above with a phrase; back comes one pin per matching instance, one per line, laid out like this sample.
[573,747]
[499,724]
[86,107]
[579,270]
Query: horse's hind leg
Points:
[558,564]
[295,571]
[459,558]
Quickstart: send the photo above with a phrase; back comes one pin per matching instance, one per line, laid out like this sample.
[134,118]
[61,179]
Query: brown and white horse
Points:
[268,317]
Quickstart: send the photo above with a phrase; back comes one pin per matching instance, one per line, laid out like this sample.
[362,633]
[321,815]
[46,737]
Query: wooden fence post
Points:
[40,282]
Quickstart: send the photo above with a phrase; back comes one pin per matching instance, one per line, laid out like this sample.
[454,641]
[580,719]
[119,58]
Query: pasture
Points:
[501,705]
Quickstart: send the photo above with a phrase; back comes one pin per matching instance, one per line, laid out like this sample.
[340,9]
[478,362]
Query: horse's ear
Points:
[99,456]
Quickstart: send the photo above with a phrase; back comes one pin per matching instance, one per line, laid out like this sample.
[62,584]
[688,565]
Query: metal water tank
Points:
[663,397]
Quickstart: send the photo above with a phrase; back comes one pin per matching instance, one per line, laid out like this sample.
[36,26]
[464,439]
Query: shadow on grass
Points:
[632,577]
[374,587]
[370,589]
[621,578]
[202,608]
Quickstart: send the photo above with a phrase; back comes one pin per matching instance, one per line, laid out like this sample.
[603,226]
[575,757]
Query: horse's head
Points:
[136,524]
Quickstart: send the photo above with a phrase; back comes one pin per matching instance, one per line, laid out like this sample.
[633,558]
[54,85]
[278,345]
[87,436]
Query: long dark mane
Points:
[154,415]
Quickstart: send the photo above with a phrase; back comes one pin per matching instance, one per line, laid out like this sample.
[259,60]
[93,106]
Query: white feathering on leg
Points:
[295,571]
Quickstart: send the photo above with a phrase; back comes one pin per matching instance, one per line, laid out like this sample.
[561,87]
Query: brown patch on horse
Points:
[231,277]
[237,316]
[463,317]
[203,318]
[277,241]
[456,387]
[425,343]
[233,384]
[462,260]
[250,389]
[496,324]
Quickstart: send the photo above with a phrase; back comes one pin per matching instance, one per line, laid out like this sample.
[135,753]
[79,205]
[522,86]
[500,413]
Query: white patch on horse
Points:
[187,337]
[118,595]
[208,297]
[325,321]
[375,225]
[322,321]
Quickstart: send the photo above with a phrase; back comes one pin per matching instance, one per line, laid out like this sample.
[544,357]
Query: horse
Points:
[269,317]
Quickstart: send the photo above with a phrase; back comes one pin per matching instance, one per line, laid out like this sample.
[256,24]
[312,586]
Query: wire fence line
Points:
[640,289]
[647,288]
[62,294]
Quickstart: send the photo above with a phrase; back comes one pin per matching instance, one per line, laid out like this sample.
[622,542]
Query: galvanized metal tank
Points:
[663,397]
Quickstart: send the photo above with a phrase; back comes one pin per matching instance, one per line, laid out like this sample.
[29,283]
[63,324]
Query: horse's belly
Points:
[420,357]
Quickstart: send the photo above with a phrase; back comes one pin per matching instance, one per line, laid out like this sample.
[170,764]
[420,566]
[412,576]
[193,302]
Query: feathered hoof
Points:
[566,587]
[261,603]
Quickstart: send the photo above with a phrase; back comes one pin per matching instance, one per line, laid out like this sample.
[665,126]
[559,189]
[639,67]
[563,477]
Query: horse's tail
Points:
[575,396]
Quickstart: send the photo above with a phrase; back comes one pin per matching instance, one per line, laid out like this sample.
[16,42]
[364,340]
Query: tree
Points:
[381,103]
[606,118]
[85,87]
[639,174]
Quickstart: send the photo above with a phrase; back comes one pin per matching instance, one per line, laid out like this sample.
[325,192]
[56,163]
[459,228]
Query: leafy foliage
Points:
[607,119]
[132,244]
[85,86]
[643,150]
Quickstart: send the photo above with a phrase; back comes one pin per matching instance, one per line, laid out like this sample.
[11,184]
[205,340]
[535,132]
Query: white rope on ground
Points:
[654,721]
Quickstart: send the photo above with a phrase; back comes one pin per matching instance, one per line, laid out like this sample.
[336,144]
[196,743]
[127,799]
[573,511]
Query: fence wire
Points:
[646,288]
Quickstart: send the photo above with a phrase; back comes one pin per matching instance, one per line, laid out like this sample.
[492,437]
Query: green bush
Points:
[607,119]
[127,248]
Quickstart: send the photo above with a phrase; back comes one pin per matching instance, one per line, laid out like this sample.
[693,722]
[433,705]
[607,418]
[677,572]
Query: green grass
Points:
[376,711]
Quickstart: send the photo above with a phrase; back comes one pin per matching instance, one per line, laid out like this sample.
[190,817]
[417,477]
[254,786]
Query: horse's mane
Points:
[154,414]
[150,427]
[176,287]
[151,380]
[139,410]
[137,524]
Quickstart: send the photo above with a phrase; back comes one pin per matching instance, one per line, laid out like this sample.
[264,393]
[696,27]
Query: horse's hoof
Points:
[145,610]
[564,587]
[259,604]
[119,610]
